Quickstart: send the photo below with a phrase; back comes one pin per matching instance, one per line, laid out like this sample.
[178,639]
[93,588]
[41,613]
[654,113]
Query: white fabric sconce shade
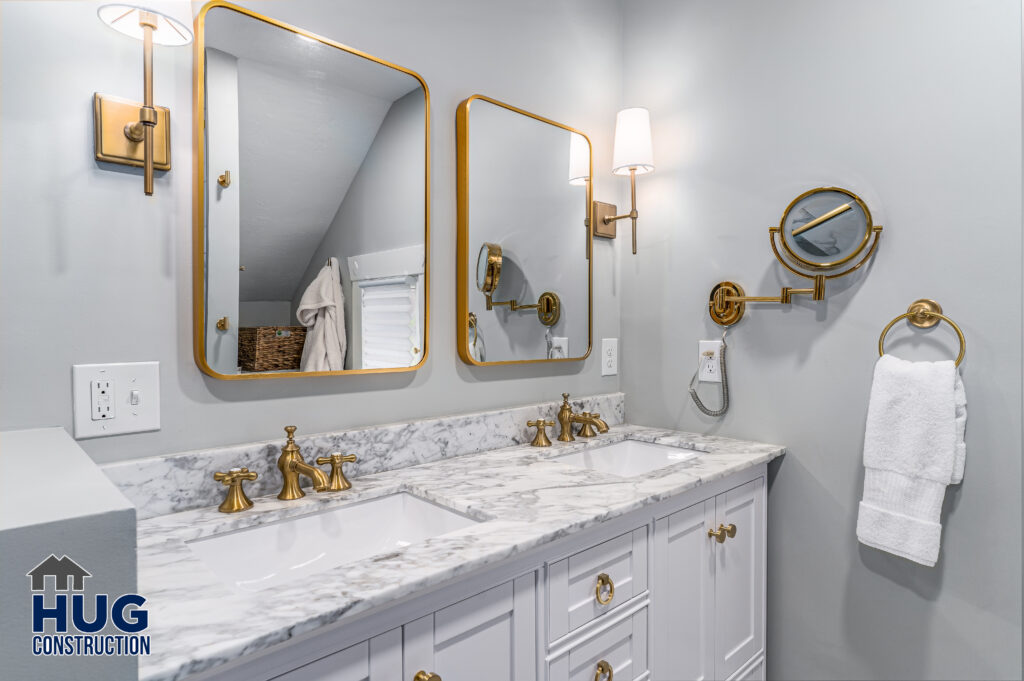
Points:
[171,23]
[633,142]
[579,160]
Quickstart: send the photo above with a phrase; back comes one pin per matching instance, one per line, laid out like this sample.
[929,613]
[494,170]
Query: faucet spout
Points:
[292,465]
[317,476]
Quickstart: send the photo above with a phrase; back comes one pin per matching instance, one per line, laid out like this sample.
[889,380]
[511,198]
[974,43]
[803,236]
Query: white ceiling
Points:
[308,114]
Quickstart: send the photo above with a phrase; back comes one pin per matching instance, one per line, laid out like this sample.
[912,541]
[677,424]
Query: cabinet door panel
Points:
[379,659]
[739,578]
[491,635]
[683,605]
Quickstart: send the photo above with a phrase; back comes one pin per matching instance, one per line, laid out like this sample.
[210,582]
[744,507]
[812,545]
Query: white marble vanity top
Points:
[524,498]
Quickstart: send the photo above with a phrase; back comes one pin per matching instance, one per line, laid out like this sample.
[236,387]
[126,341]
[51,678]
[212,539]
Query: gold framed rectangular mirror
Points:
[524,289]
[311,225]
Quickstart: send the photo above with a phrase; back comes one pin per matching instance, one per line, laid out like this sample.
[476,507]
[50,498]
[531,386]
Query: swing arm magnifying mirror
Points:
[822,232]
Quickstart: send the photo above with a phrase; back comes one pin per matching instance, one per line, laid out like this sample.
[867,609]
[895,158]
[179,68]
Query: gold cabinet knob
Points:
[236,500]
[222,324]
[603,580]
[723,532]
[225,179]
[541,438]
[337,481]
[604,672]
[426,676]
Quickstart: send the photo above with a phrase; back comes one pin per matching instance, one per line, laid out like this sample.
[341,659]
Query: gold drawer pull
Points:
[604,670]
[604,580]
[722,532]
[426,676]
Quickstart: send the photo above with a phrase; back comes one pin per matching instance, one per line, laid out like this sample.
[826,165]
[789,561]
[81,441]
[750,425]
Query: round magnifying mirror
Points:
[824,228]
[488,267]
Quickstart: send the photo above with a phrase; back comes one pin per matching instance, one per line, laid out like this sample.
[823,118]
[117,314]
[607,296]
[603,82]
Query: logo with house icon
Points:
[63,570]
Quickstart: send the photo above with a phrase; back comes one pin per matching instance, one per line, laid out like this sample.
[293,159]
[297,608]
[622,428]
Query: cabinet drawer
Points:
[573,581]
[622,646]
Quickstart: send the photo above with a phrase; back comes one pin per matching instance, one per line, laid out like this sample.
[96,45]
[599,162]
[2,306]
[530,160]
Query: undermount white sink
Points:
[266,556]
[628,458]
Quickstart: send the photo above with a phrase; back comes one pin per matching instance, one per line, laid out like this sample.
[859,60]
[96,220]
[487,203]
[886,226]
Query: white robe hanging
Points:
[322,311]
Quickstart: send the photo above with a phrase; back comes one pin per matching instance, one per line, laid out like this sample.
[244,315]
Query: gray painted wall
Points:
[916,106]
[92,270]
[382,208]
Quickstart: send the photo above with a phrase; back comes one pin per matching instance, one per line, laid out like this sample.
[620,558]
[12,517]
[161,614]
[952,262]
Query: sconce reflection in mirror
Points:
[488,274]
[632,155]
[822,231]
[132,133]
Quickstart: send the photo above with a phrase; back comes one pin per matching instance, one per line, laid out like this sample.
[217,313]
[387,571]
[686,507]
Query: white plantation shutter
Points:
[390,322]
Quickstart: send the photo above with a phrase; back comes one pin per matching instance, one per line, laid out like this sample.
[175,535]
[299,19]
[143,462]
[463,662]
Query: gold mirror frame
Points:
[199,197]
[818,266]
[463,321]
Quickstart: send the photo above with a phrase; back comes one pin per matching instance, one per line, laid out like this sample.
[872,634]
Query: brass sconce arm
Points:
[632,214]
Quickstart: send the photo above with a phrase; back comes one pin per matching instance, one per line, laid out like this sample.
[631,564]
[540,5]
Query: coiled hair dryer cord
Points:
[725,387]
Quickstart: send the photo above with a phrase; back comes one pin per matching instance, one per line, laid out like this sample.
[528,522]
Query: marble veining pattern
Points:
[168,484]
[524,498]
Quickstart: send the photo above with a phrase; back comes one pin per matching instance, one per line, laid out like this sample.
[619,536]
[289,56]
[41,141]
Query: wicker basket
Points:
[270,348]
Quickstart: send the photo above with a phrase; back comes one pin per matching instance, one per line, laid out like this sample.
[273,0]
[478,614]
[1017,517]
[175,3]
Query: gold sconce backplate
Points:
[724,310]
[601,212]
[111,115]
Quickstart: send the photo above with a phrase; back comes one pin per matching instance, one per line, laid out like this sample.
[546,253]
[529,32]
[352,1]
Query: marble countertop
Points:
[523,498]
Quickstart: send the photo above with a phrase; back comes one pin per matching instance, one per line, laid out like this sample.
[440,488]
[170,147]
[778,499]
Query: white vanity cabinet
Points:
[684,606]
[708,604]
[379,659]
[492,636]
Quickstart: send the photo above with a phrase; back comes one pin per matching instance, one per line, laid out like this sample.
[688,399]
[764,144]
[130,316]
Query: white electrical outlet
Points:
[559,347]
[111,399]
[609,356]
[709,358]
[101,406]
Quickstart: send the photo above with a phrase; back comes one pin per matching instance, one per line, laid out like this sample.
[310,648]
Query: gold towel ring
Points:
[924,314]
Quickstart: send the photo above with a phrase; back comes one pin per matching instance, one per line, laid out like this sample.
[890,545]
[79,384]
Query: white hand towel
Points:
[913,448]
[322,307]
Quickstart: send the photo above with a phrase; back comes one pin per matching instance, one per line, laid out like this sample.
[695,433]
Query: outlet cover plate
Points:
[710,367]
[609,356]
[131,381]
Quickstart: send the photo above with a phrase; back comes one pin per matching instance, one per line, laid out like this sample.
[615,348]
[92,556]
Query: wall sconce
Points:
[121,125]
[632,155]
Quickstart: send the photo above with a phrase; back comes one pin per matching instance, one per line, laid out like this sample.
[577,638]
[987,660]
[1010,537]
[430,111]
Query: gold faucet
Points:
[587,420]
[292,465]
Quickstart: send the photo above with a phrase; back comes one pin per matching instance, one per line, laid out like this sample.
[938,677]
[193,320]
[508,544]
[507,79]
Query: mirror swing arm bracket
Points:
[727,300]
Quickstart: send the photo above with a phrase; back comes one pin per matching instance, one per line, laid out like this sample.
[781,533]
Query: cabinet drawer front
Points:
[572,582]
[622,645]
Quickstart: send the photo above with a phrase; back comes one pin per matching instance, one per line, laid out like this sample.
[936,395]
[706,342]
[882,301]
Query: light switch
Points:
[112,399]
[609,356]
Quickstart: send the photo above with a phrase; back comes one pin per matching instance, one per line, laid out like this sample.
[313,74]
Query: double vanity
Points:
[638,553]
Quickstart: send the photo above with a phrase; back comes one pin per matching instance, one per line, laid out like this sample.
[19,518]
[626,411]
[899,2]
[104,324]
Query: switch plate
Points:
[112,399]
[708,357]
[609,356]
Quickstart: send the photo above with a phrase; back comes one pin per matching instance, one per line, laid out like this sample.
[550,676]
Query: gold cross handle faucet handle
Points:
[337,482]
[541,438]
[587,429]
[236,500]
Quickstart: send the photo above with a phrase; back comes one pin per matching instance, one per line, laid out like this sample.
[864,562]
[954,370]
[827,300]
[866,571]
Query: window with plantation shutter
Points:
[390,311]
